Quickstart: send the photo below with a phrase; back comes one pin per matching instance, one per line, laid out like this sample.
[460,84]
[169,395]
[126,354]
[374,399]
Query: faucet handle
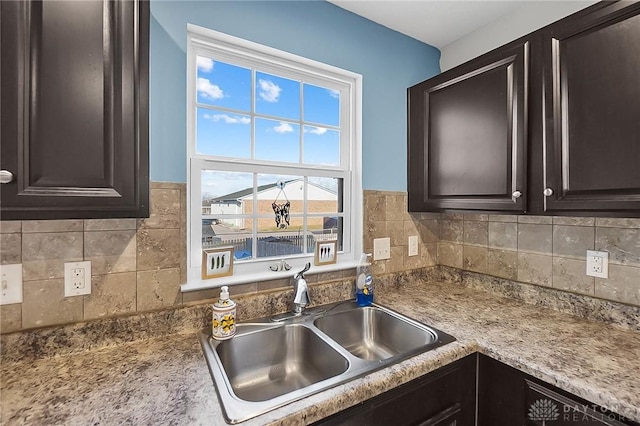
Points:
[301,273]
[302,297]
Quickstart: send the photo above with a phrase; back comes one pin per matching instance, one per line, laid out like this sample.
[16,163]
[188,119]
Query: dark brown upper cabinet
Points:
[74,109]
[591,66]
[553,117]
[467,135]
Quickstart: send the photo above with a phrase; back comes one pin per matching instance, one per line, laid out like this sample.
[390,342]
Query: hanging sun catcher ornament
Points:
[281,210]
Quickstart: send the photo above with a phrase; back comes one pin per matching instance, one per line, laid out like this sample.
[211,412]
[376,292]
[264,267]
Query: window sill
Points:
[195,284]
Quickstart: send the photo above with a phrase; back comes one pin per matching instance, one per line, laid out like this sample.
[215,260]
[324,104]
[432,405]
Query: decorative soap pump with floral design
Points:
[223,323]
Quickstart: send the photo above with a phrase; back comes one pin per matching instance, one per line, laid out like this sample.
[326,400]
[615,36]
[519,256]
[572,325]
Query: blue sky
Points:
[227,132]
[224,121]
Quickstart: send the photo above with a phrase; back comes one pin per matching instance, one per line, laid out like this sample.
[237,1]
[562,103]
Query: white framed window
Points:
[274,158]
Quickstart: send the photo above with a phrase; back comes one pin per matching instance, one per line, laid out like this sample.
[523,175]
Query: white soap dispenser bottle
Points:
[223,322]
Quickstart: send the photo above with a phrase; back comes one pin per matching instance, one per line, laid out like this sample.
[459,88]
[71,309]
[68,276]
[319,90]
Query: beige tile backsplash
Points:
[111,252]
[44,304]
[622,244]
[503,263]
[569,274]
[385,215]
[503,235]
[111,294]
[476,233]
[535,268]
[138,265]
[573,241]
[546,250]
[535,238]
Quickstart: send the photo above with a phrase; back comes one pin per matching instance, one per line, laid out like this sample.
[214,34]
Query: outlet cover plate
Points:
[381,248]
[598,264]
[11,289]
[77,278]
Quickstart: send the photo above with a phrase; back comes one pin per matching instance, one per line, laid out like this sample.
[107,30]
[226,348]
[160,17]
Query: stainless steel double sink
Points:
[274,361]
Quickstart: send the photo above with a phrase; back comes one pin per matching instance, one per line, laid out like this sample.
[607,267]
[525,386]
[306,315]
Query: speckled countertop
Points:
[165,380]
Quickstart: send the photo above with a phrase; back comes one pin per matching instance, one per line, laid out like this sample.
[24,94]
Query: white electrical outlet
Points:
[77,278]
[413,245]
[598,264]
[11,285]
[381,248]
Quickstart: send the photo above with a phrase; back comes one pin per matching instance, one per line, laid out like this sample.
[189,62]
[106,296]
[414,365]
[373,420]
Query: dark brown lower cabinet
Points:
[445,397]
[509,397]
[500,393]
[477,390]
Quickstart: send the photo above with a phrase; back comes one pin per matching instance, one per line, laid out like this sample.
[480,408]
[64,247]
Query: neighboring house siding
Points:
[229,208]
[320,200]
[315,206]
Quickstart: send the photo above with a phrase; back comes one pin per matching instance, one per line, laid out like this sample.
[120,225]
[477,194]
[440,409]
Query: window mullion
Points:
[253,113]
[254,220]
[301,125]
[305,221]
[221,108]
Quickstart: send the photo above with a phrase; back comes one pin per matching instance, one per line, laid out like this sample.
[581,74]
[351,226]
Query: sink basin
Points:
[273,361]
[373,334]
[263,365]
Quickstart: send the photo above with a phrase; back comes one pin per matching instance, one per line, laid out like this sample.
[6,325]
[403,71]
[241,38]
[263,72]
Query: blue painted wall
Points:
[388,61]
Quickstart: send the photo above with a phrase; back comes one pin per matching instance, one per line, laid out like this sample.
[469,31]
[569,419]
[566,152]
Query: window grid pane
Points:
[226,132]
[244,210]
[313,141]
[222,84]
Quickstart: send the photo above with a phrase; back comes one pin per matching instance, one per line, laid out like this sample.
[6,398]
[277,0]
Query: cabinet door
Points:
[467,135]
[501,394]
[508,397]
[445,397]
[74,109]
[591,65]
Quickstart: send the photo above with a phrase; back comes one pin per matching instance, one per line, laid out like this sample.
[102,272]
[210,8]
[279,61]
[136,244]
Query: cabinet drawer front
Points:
[546,405]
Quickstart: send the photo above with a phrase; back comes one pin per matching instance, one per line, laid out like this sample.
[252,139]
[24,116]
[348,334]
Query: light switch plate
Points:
[11,285]
[598,264]
[381,248]
[413,245]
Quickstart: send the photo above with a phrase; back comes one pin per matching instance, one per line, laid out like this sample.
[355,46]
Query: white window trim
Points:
[257,270]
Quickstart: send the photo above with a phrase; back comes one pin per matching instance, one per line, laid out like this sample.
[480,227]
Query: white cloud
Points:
[269,91]
[283,128]
[208,90]
[334,93]
[238,119]
[218,183]
[204,64]
[315,130]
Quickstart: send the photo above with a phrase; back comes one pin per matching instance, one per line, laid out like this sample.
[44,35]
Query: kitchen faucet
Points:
[301,297]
